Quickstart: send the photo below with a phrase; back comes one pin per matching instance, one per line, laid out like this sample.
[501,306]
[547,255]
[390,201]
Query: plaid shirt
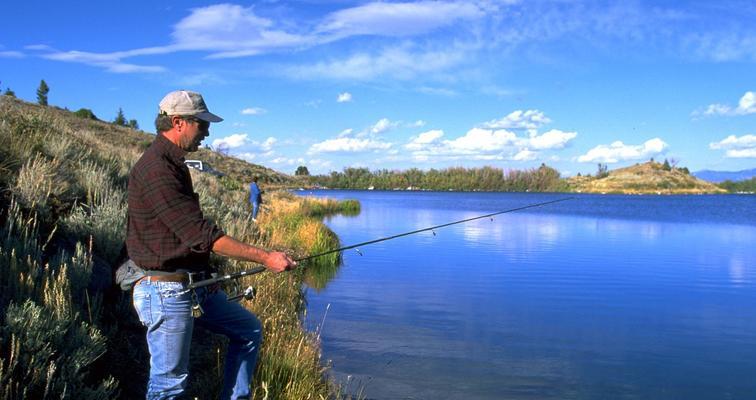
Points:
[166,229]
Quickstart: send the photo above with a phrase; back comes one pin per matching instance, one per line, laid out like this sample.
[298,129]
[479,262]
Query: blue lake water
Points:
[598,297]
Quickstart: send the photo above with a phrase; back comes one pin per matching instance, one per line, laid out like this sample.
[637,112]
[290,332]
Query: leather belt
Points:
[180,277]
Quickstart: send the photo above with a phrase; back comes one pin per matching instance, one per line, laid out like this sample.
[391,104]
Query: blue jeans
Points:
[169,323]
[255,209]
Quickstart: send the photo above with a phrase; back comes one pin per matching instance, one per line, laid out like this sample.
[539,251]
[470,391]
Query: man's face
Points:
[193,132]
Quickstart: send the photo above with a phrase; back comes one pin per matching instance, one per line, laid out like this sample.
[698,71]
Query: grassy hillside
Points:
[65,331]
[242,171]
[647,178]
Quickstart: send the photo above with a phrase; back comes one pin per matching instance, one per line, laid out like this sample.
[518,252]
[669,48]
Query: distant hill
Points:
[647,178]
[721,176]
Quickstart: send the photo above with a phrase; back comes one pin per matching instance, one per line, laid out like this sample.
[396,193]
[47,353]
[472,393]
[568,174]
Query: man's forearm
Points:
[230,247]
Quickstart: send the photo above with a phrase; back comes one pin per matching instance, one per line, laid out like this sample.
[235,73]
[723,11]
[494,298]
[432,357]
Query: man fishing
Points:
[169,237]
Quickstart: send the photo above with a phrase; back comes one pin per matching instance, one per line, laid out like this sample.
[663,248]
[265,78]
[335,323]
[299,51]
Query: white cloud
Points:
[741,153]
[242,139]
[246,156]
[345,97]
[493,144]
[525,155]
[737,147]
[400,63]
[313,103]
[11,54]
[111,62]
[619,151]
[320,162]
[423,139]
[417,124]
[437,91]
[39,47]
[491,26]
[231,142]
[346,132]
[497,91]
[397,19]
[348,145]
[717,109]
[723,45]
[429,137]
[267,145]
[199,79]
[224,30]
[253,111]
[746,105]
[553,139]
[288,161]
[530,119]
[230,30]
[383,125]
[481,140]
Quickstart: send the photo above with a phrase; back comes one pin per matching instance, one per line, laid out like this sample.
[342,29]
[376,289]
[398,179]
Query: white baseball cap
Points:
[187,103]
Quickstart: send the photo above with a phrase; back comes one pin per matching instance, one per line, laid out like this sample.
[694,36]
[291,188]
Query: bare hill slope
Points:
[127,139]
[647,178]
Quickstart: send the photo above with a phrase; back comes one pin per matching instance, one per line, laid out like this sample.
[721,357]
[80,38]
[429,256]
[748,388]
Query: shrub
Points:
[86,114]
[37,181]
[45,346]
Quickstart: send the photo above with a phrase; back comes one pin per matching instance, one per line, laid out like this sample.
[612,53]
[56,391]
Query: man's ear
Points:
[175,121]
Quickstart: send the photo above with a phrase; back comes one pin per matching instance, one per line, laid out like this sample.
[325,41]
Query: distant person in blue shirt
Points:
[255,198]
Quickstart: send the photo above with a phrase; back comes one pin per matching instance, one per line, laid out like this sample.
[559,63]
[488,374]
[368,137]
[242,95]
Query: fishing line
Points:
[256,270]
[432,228]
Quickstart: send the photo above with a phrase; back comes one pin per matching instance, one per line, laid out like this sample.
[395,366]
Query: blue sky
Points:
[426,84]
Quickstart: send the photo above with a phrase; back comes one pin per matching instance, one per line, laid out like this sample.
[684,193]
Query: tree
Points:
[302,171]
[9,92]
[222,148]
[85,113]
[603,171]
[120,119]
[666,165]
[133,124]
[42,92]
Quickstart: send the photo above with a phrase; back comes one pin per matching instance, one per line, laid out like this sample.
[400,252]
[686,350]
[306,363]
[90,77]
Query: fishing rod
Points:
[249,293]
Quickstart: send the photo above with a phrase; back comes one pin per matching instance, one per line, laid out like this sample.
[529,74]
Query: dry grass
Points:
[646,178]
[62,209]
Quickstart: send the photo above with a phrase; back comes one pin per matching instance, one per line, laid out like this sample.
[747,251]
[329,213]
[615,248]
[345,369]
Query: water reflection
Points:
[585,300]
[737,271]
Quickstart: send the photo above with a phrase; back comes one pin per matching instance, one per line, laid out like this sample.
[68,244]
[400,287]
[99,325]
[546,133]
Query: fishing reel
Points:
[248,294]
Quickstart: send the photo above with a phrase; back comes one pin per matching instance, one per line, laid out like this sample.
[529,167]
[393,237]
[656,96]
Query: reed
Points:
[318,207]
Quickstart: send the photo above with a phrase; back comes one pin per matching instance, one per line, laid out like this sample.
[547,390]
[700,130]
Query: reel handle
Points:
[248,294]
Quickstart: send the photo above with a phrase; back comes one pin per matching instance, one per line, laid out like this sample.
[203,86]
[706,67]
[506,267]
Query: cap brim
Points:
[209,117]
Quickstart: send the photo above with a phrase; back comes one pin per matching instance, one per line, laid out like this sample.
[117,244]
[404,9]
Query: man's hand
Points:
[279,262]
[275,261]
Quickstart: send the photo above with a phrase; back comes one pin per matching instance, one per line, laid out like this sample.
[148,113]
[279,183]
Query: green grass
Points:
[324,207]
